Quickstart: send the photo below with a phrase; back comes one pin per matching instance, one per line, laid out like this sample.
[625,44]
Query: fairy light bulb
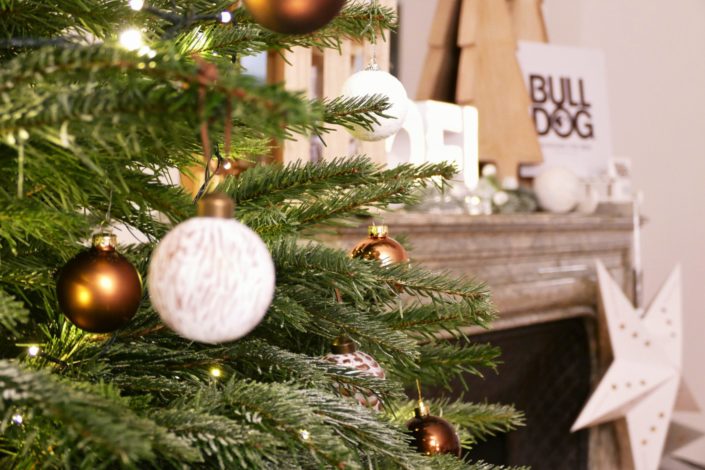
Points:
[136,4]
[216,372]
[17,419]
[226,16]
[33,350]
[131,39]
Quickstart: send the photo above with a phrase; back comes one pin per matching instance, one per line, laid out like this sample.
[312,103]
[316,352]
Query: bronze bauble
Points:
[99,290]
[433,435]
[378,246]
[294,16]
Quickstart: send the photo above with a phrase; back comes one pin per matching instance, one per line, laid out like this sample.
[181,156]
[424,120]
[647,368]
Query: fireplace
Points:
[546,373]
[541,271]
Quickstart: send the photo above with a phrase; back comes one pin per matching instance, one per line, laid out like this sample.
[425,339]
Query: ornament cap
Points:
[105,241]
[216,204]
[378,231]
[422,410]
[343,345]
[372,66]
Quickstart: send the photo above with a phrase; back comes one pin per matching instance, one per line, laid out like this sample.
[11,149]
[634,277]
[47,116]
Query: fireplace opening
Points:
[545,373]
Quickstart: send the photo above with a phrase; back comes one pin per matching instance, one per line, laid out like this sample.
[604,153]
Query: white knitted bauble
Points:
[377,82]
[211,279]
[557,190]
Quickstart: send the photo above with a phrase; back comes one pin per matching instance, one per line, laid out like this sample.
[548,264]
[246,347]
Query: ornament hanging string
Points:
[373,36]
[208,75]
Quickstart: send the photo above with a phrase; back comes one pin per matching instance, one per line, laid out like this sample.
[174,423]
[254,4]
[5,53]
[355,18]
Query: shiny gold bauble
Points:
[378,246]
[99,290]
[433,435]
[294,16]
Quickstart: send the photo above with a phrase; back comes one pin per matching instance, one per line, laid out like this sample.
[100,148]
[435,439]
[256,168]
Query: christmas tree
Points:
[91,130]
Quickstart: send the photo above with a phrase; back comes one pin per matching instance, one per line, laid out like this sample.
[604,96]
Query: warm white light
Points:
[226,17]
[227,165]
[17,419]
[305,435]
[33,351]
[216,372]
[136,4]
[131,39]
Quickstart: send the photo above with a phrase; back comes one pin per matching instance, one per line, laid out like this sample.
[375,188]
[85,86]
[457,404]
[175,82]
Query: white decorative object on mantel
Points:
[436,132]
[642,383]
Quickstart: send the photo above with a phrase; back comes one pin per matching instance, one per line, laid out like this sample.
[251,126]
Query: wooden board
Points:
[490,79]
[527,20]
[438,77]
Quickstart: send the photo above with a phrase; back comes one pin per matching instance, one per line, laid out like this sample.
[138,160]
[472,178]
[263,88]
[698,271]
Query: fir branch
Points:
[86,419]
[12,312]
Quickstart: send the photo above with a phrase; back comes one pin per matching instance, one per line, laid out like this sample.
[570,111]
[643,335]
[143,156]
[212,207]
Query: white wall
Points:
[655,52]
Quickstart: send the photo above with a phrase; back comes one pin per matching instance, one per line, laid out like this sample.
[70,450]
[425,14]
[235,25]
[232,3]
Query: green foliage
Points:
[87,129]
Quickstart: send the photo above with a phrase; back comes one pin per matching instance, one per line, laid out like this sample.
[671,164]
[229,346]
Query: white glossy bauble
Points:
[558,190]
[378,82]
[211,280]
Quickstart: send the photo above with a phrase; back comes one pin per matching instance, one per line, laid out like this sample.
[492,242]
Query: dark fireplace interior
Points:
[546,374]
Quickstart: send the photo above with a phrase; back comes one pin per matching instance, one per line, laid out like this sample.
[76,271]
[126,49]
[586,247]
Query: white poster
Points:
[568,90]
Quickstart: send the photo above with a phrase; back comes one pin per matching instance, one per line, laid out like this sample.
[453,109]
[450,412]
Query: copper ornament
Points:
[378,246]
[433,435]
[99,290]
[294,16]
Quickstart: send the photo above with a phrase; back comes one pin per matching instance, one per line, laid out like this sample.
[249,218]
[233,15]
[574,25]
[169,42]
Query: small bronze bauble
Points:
[294,16]
[433,435]
[378,246]
[99,290]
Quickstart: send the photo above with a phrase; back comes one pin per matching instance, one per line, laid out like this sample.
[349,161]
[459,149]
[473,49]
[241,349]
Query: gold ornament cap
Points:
[378,231]
[105,241]
[343,345]
[216,204]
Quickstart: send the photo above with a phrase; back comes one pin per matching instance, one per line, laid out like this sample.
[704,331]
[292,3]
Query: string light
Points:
[131,39]
[136,4]
[305,435]
[33,350]
[226,16]
[216,372]
[17,419]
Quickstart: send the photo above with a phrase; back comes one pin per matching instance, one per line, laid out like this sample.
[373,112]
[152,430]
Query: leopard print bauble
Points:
[211,279]
[349,357]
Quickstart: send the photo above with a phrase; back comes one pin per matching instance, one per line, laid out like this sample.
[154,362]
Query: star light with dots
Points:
[642,383]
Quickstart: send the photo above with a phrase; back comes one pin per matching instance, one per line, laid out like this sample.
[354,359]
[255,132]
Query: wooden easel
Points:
[471,60]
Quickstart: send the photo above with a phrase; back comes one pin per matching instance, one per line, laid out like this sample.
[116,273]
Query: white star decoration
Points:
[642,383]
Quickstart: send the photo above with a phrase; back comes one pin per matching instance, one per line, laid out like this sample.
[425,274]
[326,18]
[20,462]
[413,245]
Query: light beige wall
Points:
[655,52]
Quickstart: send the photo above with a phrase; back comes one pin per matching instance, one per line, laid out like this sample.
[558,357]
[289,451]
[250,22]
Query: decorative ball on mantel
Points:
[344,353]
[211,278]
[380,247]
[558,190]
[294,16]
[99,290]
[373,81]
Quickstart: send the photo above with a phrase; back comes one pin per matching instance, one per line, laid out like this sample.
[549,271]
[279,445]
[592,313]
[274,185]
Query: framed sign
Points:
[568,91]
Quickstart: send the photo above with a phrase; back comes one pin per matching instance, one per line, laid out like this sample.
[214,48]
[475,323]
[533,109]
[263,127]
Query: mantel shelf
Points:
[532,263]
